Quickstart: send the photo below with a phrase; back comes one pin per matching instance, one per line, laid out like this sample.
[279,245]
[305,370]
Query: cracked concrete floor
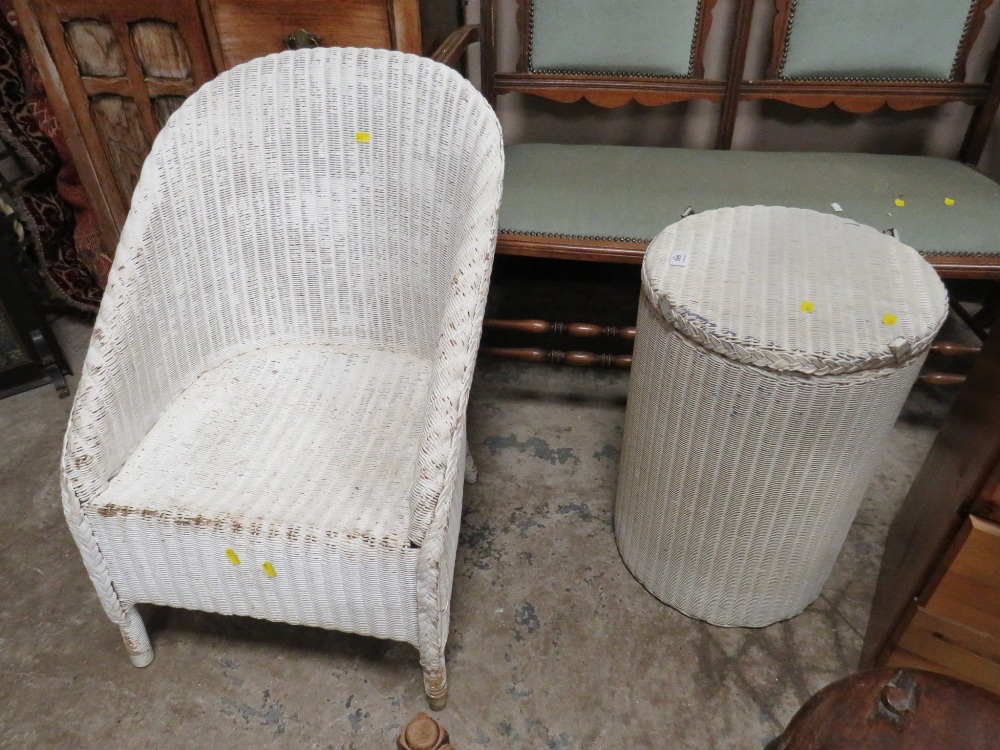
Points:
[554,645]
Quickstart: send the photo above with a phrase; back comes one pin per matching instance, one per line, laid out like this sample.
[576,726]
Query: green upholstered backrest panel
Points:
[647,37]
[879,39]
[631,192]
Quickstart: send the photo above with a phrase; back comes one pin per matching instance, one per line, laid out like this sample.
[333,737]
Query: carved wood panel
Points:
[161,50]
[114,72]
[95,47]
[119,125]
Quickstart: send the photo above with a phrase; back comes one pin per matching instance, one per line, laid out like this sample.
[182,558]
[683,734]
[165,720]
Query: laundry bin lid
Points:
[794,290]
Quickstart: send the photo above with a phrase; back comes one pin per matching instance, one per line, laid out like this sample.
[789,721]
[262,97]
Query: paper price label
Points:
[679,258]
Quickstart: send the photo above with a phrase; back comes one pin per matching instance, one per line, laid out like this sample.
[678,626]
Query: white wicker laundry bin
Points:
[774,350]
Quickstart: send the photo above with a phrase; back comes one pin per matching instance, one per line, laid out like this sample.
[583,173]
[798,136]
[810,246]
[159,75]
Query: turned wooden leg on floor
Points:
[423,733]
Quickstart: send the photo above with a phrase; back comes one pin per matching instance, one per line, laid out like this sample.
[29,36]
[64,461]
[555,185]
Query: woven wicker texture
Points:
[738,482]
[271,417]
[751,272]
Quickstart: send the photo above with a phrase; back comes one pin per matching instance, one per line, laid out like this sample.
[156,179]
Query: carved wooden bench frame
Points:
[613,90]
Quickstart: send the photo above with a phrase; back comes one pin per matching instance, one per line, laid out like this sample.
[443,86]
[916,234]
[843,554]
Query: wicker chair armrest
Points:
[137,363]
[455,361]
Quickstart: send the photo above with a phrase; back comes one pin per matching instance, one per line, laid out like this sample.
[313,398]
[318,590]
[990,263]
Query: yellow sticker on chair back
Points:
[233,557]
[363,136]
[269,569]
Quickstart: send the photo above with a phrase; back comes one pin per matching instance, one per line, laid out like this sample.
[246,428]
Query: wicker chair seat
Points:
[305,444]
[349,421]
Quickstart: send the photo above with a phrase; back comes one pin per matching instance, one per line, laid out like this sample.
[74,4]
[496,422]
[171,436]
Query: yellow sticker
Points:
[269,569]
[233,557]
[900,202]
[889,319]
[363,136]
[808,306]
[949,201]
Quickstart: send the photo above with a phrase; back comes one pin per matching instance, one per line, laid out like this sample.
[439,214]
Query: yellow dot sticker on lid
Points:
[269,569]
[900,202]
[807,306]
[363,136]
[233,557]
[889,319]
[949,201]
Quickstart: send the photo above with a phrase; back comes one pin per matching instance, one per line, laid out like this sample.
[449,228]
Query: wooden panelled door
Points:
[114,74]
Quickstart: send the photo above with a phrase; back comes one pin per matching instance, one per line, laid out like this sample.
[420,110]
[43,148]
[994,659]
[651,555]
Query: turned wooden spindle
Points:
[955,349]
[553,356]
[627,333]
[624,362]
[941,378]
[423,733]
[540,327]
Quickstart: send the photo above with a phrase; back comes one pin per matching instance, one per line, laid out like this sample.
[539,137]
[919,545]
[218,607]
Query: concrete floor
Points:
[554,644]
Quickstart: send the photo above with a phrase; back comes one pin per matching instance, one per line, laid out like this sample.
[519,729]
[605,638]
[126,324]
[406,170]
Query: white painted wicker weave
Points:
[766,379]
[271,416]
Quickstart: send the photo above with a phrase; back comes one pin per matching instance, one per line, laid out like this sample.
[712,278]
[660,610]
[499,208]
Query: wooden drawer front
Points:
[252,28]
[944,645]
[969,590]
[956,629]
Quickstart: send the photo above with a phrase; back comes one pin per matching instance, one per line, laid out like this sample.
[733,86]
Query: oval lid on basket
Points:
[794,290]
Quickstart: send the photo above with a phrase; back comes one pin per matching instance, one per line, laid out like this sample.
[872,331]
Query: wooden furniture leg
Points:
[423,733]
[889,709]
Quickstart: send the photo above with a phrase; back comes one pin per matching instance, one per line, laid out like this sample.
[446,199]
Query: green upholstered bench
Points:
[604,203]
[950,212]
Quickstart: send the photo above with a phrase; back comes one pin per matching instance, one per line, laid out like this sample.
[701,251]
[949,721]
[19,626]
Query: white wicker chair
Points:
[271,416]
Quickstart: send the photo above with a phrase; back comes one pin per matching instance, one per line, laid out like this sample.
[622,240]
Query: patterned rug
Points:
[48,197]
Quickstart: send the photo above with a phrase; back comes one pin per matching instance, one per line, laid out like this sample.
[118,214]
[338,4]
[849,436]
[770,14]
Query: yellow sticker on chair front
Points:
[949,201]
[889,319]
[363,136]
[900,202]
[807,306]
[233,557]
[269,569]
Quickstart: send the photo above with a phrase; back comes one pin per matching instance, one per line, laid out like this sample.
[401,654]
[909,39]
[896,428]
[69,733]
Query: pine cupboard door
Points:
[114,72]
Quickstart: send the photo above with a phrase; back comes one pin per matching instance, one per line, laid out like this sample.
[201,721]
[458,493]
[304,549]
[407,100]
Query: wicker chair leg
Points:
[471,472]
[436,687]
[136,640]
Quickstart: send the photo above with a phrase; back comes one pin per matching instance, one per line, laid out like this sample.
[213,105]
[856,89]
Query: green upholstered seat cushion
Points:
[631,192]
[885,39]
[649,37]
